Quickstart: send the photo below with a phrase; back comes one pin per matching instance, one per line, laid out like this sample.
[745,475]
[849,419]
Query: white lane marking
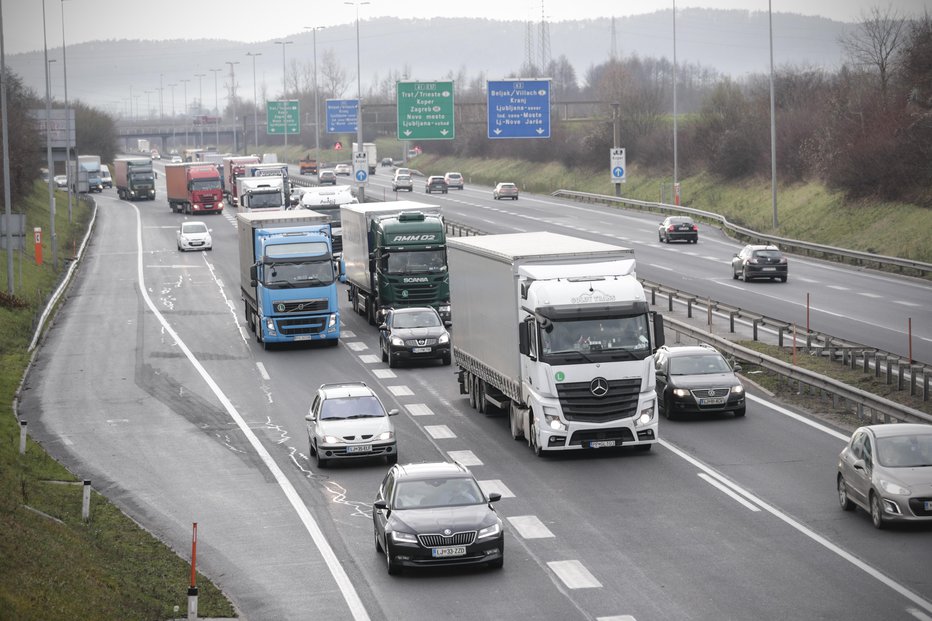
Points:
[530,527]
[661,267]
[617,618]
[905,303]
[866,294]
[573,574]
[262,371]
[353,601]
[347,333]
[736,497]
[467,458]
[418,409]
[845,555]
[838,287]
[799,417]
[230,306]
[384,373]
[919,614]
[400,391]
[357,346]
[370,358]
[174,267]
[496,485]
[439,432]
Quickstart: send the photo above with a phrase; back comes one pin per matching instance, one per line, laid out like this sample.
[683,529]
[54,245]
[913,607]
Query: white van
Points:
[105,179]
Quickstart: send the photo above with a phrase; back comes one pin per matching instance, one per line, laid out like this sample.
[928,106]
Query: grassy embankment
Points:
[52,564]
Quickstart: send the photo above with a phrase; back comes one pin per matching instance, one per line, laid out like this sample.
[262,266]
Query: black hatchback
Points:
[759,262]
[435,183]
[678,227]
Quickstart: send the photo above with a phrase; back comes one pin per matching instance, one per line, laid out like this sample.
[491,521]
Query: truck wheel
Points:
[480,396]
[532,441]
[517,432]
[471,390]
[372,312]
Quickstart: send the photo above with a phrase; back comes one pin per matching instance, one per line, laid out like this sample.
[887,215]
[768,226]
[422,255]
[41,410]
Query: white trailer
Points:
[556,331]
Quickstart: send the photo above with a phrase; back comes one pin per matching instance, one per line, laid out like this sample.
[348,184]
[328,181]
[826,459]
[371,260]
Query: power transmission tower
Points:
[544,41]
[614,51]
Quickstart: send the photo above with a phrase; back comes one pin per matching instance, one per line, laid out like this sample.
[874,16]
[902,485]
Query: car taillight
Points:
[671,228]
[695,228]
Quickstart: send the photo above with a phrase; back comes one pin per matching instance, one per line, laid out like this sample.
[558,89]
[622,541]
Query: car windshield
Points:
[414,262]
[700,364]
[905,451]
[433,493]
[343,408]
[415,319]
[189,228]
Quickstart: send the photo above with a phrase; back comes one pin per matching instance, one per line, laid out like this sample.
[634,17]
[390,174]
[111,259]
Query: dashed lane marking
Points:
[574,574]
[530,527]
[467,458]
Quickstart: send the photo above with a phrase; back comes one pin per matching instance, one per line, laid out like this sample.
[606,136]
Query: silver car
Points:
[194,235]
[347,421]
[887,471]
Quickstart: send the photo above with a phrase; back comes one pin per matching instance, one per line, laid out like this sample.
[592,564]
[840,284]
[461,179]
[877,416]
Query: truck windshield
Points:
[265,200]
[298,273]
[205,184]
[143,178]
[583,340]
[415,261]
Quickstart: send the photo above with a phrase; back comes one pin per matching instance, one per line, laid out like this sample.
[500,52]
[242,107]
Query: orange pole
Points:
[194,556]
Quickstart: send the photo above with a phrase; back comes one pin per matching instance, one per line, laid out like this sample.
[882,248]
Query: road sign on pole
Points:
[425,111]
[361,167]
[283,117]
[617,158]
[519,109]
[342,115]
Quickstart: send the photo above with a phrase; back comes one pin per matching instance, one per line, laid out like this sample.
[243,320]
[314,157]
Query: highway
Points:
[150,385]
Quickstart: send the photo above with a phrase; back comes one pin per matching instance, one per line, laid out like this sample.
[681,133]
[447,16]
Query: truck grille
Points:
[619,434]
[302,325]
[465,538]
[299,306]
[419,295]
[580,403]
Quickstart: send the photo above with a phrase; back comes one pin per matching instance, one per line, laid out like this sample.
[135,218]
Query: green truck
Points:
[396,256]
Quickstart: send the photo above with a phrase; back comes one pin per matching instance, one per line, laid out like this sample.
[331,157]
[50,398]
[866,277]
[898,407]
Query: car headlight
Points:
[892,488]
[398,341]
[331,440]
[386,435]
[444,338]
[444,308]
[400,537]
[489,531]
[737,390]
[552,418]
[680,392]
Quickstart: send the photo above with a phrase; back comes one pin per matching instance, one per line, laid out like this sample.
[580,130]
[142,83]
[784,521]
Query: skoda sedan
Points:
[434,514]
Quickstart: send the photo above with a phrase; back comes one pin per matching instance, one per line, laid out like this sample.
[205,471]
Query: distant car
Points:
[886,470]
[106,180]
[403,182]
[759,262]
[505,190]
[194,235]
[454,180]
[696,379]
[387,161]
[678,227]
[176,159]
[404,171]
[436,514]
[414,333]
[348,421]
[327,176]
[435,183]
[343,169]
[61,181]
[155,154]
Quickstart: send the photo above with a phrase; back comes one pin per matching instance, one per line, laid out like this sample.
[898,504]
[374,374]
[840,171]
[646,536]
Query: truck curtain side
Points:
[193,188]
[233,167]
[556,331]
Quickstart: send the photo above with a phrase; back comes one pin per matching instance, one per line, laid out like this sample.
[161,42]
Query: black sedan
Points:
[678,227]
[411,334]
[759,262]
[696,379]
[435,514]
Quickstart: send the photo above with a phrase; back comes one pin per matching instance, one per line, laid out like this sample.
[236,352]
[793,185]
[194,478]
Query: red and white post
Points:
[192,590]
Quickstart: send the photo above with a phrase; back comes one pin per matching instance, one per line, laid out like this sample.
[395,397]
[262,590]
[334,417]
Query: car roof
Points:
[412,309]
[689,350]
[432,469]
[453,174]
[763,247]
[898,429]
[345,389]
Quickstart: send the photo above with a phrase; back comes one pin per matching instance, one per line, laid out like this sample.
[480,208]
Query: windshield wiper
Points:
[281,283]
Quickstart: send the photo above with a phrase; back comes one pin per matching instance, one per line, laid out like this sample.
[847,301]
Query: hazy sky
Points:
[89,20]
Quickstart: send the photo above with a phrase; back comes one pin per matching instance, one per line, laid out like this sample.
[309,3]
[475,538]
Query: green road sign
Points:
[425,111]
[282,117]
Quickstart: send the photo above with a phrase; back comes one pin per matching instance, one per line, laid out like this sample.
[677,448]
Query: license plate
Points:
[928,505]
[601,443]
[420,350]
[712,401]
[770,269]
[359,448]
[303,337]
[448,552]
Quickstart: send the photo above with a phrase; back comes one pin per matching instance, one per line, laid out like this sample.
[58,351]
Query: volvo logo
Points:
[447,532]
[598,387]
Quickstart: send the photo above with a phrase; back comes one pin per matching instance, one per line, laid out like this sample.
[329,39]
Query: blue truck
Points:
[288,276]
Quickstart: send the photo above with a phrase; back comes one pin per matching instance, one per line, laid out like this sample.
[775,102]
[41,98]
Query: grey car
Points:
[759,262]
[887,471]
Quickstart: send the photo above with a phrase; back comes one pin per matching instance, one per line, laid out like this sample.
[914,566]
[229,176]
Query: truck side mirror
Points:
[253,275]
[658,330]
[524,346]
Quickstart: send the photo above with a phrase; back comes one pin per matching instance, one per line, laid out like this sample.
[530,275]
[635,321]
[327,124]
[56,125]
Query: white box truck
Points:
[556,331]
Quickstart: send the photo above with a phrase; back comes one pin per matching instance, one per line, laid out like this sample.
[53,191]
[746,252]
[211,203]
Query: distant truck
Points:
[134,178]
[371,153]
[193,188]
[288,276]
[269,169]
[269,158]
[233,167]
[90,164]
[142,146]
[395,256]
[328,200]
[556,331]
[257,193]
[307,165]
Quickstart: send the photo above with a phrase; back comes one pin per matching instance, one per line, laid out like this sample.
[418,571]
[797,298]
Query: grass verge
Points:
[53,565]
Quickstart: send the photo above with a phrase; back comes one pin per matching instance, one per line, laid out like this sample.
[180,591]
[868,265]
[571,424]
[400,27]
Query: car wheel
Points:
[250,322]
[497,563]
[843,500]
[877,512]
[447,360]
[740,412]
[393,568]
[533,440]
[782,278]
[384,354]
[668,410]
[391,459]
[744,274]
[375,535]
[734,274]
[392,363]
[660,238]
[322,462]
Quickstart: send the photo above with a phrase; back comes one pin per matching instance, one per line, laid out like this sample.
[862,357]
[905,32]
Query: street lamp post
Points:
[676,194]
[233,97]
[5,128]
[64,58]
[361,190]
[314,30]
[200,102]
[184,111]
[48,143]
[148,108]
[217,107]
[172,86]
[284,86]
[255,101]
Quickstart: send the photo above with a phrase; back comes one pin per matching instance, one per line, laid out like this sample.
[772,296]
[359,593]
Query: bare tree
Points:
[875,42]
[333,80]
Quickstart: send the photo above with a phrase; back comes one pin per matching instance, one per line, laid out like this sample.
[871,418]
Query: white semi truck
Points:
[556,331]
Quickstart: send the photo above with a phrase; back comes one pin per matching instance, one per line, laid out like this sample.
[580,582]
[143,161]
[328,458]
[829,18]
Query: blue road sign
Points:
[342,115]
[519,109]
[361,176]
[617,164]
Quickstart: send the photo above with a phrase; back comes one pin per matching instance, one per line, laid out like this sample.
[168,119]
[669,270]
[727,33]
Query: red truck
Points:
[233,167]
[194,188]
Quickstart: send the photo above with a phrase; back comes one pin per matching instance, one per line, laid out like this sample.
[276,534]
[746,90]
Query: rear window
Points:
[768,254]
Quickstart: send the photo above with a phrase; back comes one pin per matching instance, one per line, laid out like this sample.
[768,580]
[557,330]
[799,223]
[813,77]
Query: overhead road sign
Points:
[425,111]
[283,117]
[519,108]
[617,165]
[342,116]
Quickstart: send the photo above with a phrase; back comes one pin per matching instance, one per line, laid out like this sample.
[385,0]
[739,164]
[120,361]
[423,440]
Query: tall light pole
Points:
[48,143]
[184,111]
[217,107]
[284,86]
[148,108]
[7,193]
[314,30]
[255,100]
[200,102]
[172,86]
[773,127]
[676,194]
[233,96]
[64,58]
[161,88]
[361,190]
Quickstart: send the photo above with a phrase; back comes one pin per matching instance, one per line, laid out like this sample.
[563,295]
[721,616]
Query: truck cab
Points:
[257,193]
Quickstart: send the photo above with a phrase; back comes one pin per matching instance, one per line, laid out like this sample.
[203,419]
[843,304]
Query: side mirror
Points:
[494,497]
[380,505]
[310,418]
[383,327]
[393,412]
[736,368]
[859,465]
